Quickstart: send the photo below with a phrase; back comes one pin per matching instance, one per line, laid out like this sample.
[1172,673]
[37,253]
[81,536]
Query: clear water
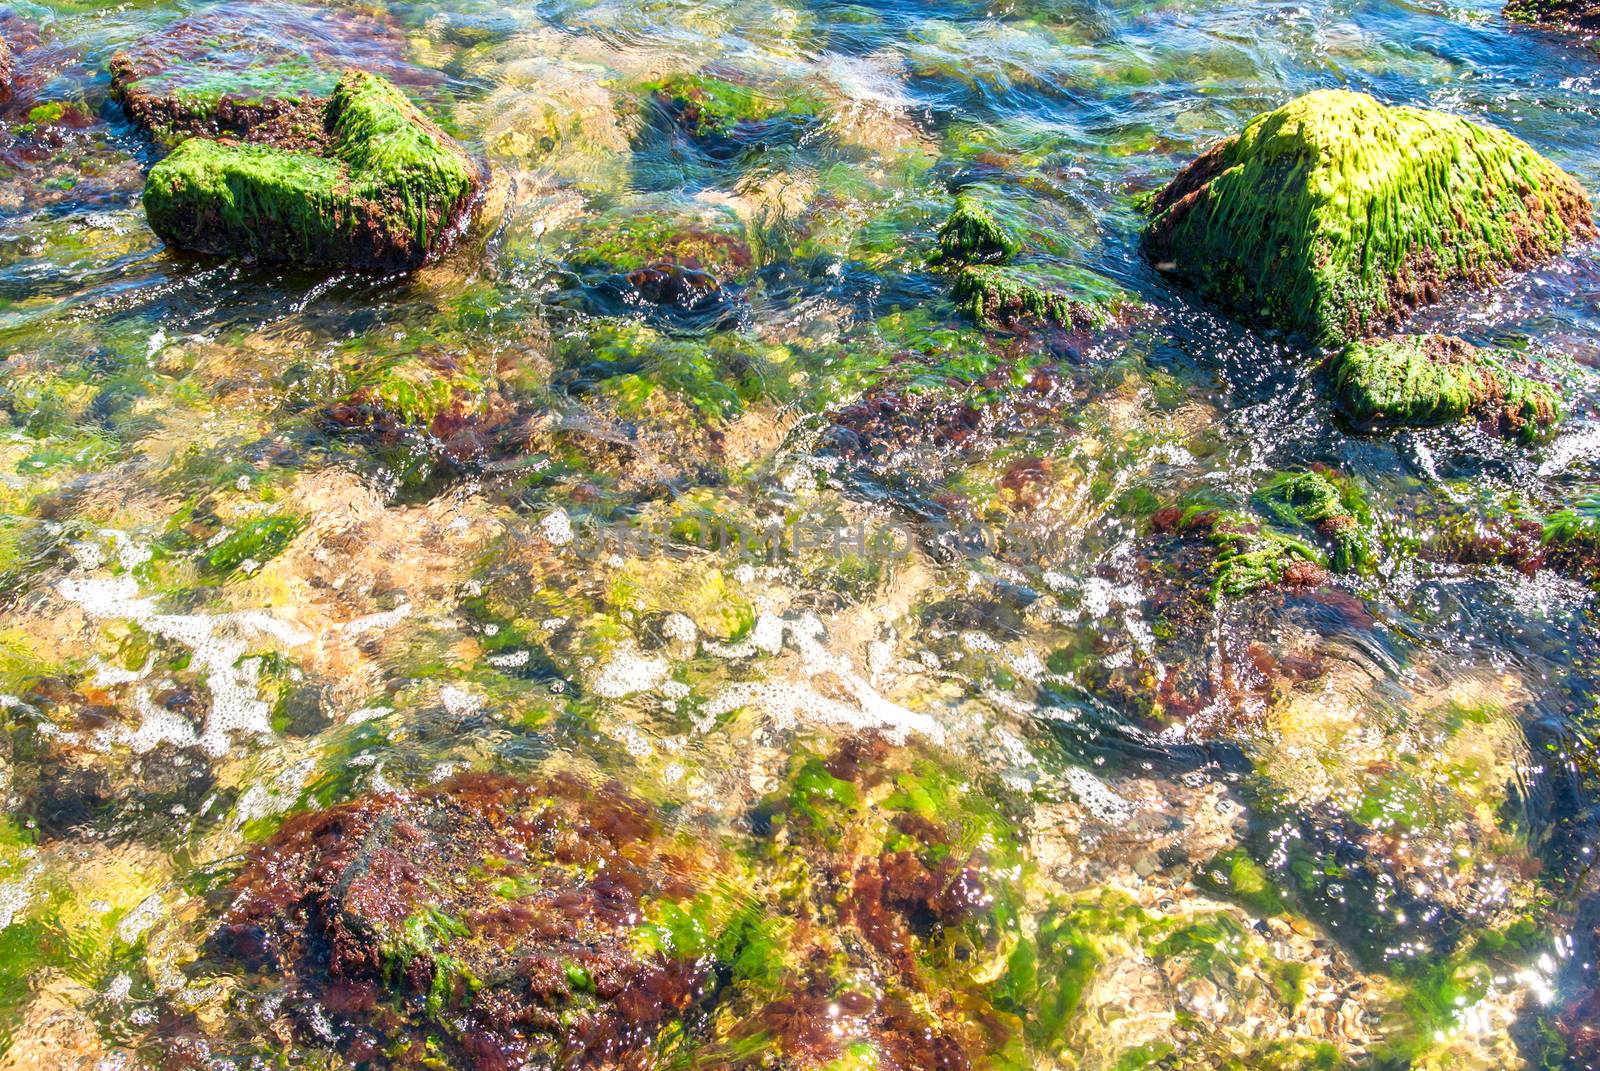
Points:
[685,549]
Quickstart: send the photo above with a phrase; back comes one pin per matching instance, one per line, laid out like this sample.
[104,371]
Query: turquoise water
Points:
[857,619]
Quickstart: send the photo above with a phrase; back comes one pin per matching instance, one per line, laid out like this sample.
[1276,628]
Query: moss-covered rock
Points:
[1334,215]
[1429,380]
[1571,536]
[972,235]
[263,71]
[1012,294]
[387,193]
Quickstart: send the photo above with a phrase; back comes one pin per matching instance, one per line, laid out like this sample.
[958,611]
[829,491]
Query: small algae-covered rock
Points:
[1252,557]
[1429,380]
[1335,215]
[972,235]
[262,71]
[386,193]
[1571,536]
[1005,295]
[1582,16]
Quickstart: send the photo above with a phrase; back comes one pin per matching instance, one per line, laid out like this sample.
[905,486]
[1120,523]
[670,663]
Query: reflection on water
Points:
[668,633]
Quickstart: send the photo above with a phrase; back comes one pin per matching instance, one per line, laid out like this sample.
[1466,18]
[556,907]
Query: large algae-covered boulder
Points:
[1335,215]
[253,70]
[386,192]
[1430,380]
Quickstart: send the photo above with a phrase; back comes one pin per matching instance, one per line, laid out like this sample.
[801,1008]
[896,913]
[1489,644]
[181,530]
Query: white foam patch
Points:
[264,799]
[378,622]
[790,704]
[218,646]
[14,895]
[556,527]
[629,672]
[140,919]
[458,702]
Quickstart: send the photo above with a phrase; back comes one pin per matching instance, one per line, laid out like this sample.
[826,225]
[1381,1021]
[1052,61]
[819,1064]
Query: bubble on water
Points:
[791,703]
[1579,443]
[510,660]
[262,800]
[141,918]
[680,627]
[15,895]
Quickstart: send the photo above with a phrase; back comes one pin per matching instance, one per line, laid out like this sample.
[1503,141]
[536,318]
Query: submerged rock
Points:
[1429,380]
[1566,540]
[1580,15]
[1006,295]
[262,71]
[532,947]
[1249,556]
[386,192]
[1335,215]
[7,71]
[722,113]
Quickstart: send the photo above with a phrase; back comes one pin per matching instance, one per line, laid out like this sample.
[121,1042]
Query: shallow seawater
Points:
[763,665]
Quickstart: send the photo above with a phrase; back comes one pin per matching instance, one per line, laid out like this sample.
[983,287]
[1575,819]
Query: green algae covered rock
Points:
[1335,215]
[1003,295]
[972,235]
[386,192]
[708,106]
[1252,557]
[1429,380]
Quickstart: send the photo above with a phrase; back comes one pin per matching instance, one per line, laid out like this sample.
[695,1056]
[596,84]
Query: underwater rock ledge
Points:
[388,191]
[1334,216]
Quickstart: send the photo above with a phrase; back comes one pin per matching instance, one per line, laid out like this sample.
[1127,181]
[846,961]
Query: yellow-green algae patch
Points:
[1428,380]
[386,194]
[1335,215]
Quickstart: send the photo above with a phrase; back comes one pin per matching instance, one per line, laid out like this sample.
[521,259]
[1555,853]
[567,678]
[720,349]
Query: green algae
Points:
[384,196]
[972,235]
[1000,295]
[1252,557]
[708,105]
[1334,215]
[1431,380]
[255,543]
[1234,875]
[1576,527]
[1334,506]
